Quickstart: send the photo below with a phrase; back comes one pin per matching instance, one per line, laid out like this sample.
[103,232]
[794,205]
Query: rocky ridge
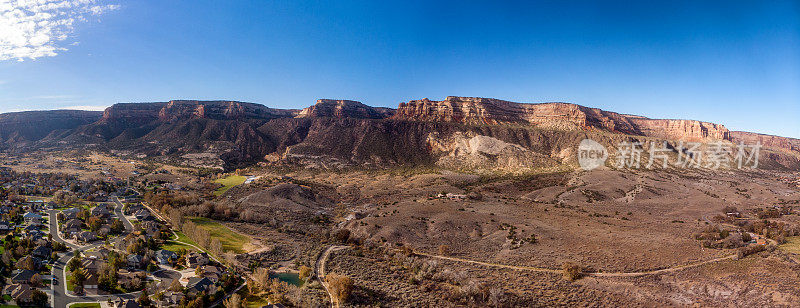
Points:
[456,132]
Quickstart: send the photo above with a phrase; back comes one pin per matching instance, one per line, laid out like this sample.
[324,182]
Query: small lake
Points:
[290,278]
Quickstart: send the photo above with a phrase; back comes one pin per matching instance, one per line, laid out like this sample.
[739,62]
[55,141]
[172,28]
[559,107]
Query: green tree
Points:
[78,277]
[39,298]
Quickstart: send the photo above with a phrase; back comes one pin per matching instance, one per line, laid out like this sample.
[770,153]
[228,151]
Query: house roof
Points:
[31,215]
[199,284]
[23,275]
[135,258]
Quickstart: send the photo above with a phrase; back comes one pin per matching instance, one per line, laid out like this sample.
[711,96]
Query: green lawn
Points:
[229,182]
[230,240]
[183,238]
[176,246]
[85,305]
[792,245]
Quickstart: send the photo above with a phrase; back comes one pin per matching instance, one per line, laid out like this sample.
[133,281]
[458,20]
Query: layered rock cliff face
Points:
[21,128]
[769,141]
[476,110]
[455,132]
[344,109]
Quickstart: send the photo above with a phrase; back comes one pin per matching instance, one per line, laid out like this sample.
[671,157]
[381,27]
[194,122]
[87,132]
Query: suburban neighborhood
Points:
[60,249]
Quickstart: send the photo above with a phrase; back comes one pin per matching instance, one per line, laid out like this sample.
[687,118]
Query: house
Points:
[101,211]
[26,261]
[271,305]
[71,213]
[23,276]
[197,284]
[124,303]
[32,227]
[41,252]
[144,215]
[211,272]
[22,293]
[91,281]
[86,236]
[31,217]
[125,277]
[72,226]
[99,254]
[73,223]
[165,257]
[91,264]
[195,259]
[133,208]
[6,226]
[150,228]
[171,299]
[35,234]
[135,261]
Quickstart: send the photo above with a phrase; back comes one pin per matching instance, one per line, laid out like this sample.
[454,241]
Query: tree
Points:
[78,277]
[305,272]
[36,280]
[216,247]
[235,301]
[341,286]
[144,299]
[95,223]
[74,263]
[176,286]
[117,226]
[39,298]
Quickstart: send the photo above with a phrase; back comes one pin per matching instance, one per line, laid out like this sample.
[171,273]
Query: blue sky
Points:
[729,62]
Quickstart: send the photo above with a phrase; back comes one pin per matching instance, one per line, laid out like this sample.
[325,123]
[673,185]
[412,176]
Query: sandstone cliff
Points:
[344,109]
[476,110]
[21,128]
[456,132]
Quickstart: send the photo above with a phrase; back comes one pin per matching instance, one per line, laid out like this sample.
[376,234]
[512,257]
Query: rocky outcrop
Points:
[344,109]
[769,141]
[219,110]
[19,128]
[487,111]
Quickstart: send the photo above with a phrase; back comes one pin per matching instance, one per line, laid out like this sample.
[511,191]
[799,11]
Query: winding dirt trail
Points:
[593,274]
[319,270]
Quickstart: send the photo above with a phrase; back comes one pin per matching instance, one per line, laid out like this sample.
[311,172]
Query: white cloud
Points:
[87,108]
[31,29]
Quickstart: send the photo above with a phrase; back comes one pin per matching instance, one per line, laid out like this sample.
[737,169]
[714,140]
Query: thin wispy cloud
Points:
[87,108]
[31,29]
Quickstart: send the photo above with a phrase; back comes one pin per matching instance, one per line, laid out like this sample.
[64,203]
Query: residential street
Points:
[60,297]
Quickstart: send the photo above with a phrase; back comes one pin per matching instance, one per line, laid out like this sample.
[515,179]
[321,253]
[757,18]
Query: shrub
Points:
[444,250]
[571,271]
[749,250]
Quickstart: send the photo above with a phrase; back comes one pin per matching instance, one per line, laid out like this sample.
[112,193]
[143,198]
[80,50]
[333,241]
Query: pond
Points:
[288,277]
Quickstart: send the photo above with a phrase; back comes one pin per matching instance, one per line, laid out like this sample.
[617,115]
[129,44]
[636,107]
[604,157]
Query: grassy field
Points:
[230,240]
[792,245]
[85,305]
[176,246]
[229,182]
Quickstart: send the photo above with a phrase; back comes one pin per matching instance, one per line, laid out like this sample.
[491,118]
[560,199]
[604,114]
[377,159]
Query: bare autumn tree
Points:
[235,301]
[216,247]
[341,286]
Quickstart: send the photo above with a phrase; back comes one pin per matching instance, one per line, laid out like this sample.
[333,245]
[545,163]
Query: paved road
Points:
[60,297]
